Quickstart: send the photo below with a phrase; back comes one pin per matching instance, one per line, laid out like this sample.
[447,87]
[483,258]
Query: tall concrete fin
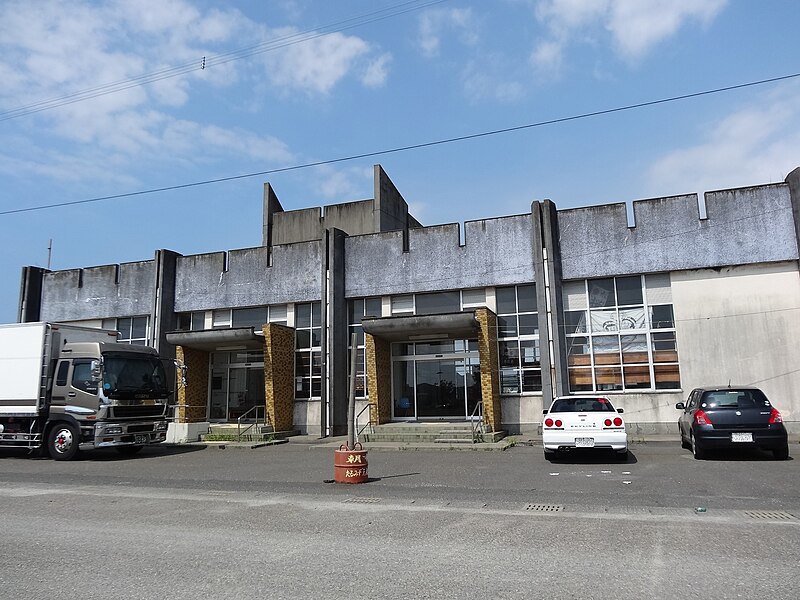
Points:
[30,294]
[271,206]
[793,181]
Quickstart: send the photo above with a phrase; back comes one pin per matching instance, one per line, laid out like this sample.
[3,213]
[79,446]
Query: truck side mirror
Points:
[96,370]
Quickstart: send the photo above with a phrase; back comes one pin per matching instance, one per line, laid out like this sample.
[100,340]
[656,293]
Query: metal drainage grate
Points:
[363,500]
[544,507]
[770,515]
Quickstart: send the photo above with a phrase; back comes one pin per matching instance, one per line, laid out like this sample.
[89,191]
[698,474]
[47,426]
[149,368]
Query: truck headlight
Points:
[112,430]
[162,426]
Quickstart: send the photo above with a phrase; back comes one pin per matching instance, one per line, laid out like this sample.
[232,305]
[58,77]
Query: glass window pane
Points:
[604,320]
[506,298]
[435,347]
[316,387]
[473,297]
[198,320]
[507,326]
[526,297]
[632,318]
[184,322]
[221,318]
[637,377]
[667,377]
[316,337]
[372,307]
[606,350]
[402,304]
[402,349]
[629,290]
[508,354]
[139,328]
[302,338]
[661,317]
[124,328]
[277,314]
[608,378]
[355,310]
[529,353]
[664,347]
[634,348]
[302,315]
[575,321]
[580,380]
[250,317]
[601,293]
[403,387]
[529,324]
[302,364]
[509,381]
[316,314]
[578,351]
[532,380]
[437,303]
[316,363]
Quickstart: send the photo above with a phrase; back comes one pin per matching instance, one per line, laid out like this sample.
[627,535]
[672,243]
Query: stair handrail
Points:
[367,424]
[477,422]
[239,432]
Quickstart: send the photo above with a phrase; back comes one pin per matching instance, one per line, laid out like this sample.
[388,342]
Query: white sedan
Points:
[576,422]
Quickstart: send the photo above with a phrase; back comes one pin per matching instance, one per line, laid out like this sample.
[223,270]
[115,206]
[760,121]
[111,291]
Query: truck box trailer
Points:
[65,387]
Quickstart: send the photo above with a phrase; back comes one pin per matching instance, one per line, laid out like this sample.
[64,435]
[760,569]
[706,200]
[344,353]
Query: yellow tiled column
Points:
[490,368]
[279,375]
[192,399]
[379,378]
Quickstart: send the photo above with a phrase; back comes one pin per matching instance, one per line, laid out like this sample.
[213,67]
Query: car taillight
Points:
[702,418]
[607,422]
[558,423]
[618,422]
[548,422]
[775,417]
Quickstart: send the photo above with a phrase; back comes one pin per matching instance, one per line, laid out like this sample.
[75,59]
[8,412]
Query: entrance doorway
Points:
[443,386]
[236,387]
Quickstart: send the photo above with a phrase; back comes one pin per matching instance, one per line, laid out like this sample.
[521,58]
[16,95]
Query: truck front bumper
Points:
[138,433]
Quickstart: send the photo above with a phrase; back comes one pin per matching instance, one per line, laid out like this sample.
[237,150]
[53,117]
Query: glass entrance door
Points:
[443,386]
[235,388]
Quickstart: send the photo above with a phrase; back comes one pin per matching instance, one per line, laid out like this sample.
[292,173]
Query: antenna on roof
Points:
[729,384]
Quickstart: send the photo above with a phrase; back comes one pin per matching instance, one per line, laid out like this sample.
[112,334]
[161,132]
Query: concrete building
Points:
[694,291]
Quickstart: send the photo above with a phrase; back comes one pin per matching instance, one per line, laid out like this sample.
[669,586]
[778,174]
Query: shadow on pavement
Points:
[588,457]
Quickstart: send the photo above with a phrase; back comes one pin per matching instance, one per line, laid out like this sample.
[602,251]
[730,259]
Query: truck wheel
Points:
[129,450]
[62,441]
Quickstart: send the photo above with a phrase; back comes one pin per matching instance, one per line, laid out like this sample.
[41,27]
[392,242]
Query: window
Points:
[132,330]
[356,310]
[518,339]
[308,351]
[254,316]
[82,376]
[620,334]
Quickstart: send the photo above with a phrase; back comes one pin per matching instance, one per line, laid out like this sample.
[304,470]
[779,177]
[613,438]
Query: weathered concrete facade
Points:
[731,275]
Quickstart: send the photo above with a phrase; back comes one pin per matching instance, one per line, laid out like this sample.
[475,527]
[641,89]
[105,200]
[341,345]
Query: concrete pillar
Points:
[30,295]
[379,378]
[336,366]
[279,375]
[490,369]
[793,181]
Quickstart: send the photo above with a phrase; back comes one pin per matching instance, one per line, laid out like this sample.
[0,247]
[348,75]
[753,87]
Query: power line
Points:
[206,62]
[409,147]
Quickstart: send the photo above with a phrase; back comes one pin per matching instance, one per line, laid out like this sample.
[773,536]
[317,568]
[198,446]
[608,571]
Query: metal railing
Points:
[369,423]
[478,424]
[256,408]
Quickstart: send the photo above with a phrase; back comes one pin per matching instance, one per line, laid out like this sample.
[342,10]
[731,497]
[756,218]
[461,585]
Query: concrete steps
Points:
[439,433]
[257,433]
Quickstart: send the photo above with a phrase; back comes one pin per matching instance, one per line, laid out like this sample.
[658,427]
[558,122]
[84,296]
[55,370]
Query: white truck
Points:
[63,387]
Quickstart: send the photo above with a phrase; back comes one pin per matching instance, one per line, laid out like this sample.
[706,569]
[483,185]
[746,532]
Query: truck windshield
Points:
[129,376]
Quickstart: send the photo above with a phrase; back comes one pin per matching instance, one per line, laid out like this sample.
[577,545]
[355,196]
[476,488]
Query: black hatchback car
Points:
[731,417]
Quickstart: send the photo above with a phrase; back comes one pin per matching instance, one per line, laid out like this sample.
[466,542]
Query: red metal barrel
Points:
[350,466]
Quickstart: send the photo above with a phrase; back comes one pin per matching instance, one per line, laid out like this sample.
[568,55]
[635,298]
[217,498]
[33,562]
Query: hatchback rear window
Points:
[582,405]
[734,399]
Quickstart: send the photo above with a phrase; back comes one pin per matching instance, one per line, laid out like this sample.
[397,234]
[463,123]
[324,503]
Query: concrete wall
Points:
[496,252]
[98,292]
[293,226]
[743,226]
[354,218]
[391,210]
[202,283]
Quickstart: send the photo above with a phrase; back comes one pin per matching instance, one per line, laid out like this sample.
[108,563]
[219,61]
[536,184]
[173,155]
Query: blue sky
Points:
[422,72]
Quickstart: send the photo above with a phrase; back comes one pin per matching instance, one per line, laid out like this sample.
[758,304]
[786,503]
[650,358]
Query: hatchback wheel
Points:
[697,451]
[781,453]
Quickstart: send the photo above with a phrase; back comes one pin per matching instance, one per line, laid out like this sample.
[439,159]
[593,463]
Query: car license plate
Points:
[741,437]
[584,442]
[141,439]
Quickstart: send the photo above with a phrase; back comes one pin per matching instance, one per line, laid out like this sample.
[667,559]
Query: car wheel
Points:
[62,441]
[684,443]
[129,450]
[781,453]
[697,451]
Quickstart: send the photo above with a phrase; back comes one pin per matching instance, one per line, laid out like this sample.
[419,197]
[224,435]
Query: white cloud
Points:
[434,22]
[377,71]
[635,26]
[341,184]
[757,144]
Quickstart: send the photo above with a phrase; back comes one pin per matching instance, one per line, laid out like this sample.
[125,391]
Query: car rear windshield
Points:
[582,405]
[734,399]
